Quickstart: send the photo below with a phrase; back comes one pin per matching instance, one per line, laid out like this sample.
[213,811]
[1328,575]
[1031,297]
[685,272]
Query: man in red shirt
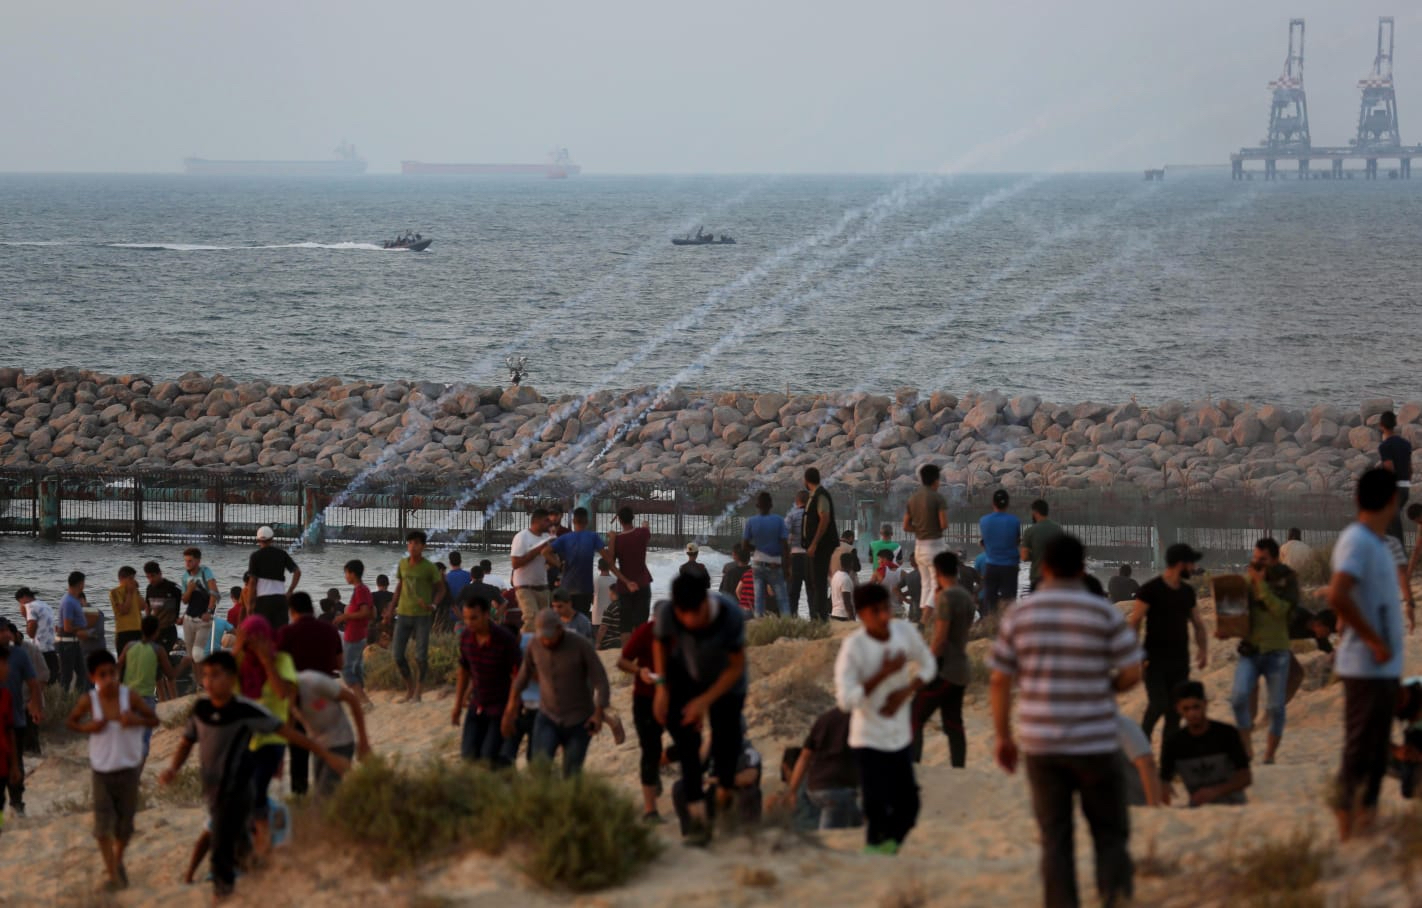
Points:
[627,553]
[636,661]
[489,657]
[314,646]
[354,624]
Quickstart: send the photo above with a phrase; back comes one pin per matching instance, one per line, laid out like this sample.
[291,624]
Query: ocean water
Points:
[1071,287]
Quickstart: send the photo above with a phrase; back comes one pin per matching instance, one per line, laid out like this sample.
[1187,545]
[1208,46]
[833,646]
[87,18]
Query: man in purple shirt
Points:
[489,657]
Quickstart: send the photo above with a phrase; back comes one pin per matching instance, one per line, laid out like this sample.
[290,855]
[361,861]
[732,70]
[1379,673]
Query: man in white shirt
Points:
[39,624]
[842,591]
[531,556]
[874,684]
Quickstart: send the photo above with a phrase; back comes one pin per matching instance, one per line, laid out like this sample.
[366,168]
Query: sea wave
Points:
[198,247]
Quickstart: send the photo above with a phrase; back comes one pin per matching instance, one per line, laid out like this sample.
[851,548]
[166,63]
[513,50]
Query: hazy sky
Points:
[677,85]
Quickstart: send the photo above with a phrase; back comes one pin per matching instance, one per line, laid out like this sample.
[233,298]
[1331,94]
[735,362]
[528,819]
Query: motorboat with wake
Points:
[700,238]
[411,241]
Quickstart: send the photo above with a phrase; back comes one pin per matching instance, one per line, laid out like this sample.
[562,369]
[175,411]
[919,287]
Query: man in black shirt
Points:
[819,539]
[1208,755]
[693,566]
[164,599]
[1167,606]
[476,588]
[827,767]
[1395,452]
[267,589]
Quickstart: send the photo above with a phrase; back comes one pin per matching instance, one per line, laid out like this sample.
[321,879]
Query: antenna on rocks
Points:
[518,368]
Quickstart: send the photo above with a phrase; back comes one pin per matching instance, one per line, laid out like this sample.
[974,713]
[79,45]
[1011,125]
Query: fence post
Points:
[311,504]
[401,503]
[136,532]
[680,518]
[49,507]
[35,502]
[219,516]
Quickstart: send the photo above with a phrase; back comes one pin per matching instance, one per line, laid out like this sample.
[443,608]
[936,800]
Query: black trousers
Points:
[1368,705]
[72,675]
[817,579]
[1056,780]
[582,602]
[17,789]
[724,718]
[649,739]
[890,794]
[1161,678]
[999,585]
[300,764]
[229,836]
[51,662]
[797,580]
[274,609]
[634,609]
[946,700]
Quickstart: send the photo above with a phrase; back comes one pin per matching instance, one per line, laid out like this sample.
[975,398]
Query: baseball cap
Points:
[1181,553]
[692,548]
[265,533]
[999,498]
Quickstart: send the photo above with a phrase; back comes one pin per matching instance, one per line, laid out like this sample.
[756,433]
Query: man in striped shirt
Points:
[1070,652]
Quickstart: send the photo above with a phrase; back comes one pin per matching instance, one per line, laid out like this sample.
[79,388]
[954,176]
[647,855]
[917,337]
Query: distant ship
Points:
[348,163]
[559,166]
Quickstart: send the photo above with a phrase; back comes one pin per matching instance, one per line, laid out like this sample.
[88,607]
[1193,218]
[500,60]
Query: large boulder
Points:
[767,406]
[1375,407]
[981,418]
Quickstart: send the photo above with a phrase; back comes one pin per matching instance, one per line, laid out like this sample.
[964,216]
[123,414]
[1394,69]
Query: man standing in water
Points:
[267,590]
[1068,720]
[818,537]
[1167,606]
[1365,596]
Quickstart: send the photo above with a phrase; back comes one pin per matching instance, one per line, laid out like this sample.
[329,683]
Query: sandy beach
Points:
[976,842]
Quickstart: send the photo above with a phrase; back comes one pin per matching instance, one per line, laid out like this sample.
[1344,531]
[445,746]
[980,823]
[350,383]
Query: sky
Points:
[697,86]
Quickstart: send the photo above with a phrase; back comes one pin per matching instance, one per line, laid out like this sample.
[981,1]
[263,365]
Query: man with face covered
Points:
[1167,606]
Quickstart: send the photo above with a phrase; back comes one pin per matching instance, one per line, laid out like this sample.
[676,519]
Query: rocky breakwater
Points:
[75,419]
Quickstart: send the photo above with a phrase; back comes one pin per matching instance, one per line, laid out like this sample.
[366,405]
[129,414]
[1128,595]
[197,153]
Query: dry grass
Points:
[184,791]
[58,704]
[767,630]
[578,834]
[1155,864]
[985,628]
[381,673]
[908,894]
[1318,570]
[1279,873]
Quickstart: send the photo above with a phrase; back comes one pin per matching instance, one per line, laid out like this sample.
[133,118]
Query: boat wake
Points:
[201,247]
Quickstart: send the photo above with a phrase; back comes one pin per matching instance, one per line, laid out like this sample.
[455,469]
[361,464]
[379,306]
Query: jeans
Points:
[148,732]
[353,663]
[649,740]
[523,729]
[947,700]
[839,807]
[1273,666]
[419,626]
[923,552]
[817,579]
[1056,779]
[773,574]
[797,583]
[999,585]
[548,736]
[890,794]
[1161,678]
[71,665]
[724,719]
[633,610]
[1368,704]
[481,738]
[326,777]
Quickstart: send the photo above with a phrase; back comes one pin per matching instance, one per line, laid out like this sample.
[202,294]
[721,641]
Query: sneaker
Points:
[698,835]
[19,810]
[888,848]
[652,818]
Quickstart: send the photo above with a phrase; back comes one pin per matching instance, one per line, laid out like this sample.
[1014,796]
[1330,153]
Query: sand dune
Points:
[975,844]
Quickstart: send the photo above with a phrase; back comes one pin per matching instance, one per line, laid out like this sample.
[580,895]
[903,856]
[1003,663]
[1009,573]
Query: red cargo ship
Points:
[558,167]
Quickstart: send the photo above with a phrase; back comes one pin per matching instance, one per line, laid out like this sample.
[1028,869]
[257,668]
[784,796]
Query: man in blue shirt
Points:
[578,550]
[1365,596]
[1002,534]
[769,538]
[456,578]
[73,630]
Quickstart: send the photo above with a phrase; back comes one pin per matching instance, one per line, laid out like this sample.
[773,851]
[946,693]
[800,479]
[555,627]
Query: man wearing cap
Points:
[573,693]
[39,624]
[692,566]
[267,590]
[1167,606]
[1001,534]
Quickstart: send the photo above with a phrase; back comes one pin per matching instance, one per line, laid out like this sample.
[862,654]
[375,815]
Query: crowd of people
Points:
[281,684]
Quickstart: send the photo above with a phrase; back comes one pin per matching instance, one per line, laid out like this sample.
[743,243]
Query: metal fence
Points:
[193,505]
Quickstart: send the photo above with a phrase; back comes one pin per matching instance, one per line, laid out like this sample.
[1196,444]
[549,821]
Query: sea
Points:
[1071,287]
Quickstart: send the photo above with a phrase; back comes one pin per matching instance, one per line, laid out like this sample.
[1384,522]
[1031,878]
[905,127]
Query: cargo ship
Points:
[559,166]
[347,163]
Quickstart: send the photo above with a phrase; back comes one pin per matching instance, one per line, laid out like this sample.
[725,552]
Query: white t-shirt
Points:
[893,579]
[326,721]
[535,573]
[42,615]
[842,596]
[602,596]
[860,658]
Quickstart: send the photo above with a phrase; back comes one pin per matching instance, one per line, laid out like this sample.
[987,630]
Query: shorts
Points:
[115,803]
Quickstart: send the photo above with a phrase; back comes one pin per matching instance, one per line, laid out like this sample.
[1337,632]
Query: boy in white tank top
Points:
[114,719]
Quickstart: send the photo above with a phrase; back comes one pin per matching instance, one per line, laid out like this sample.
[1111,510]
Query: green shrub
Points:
[58,704]
[381,673]
[184,791]
[1279,873]
[578,834]
[765,631]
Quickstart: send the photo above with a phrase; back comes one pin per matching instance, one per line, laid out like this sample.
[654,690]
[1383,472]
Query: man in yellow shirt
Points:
[128,606]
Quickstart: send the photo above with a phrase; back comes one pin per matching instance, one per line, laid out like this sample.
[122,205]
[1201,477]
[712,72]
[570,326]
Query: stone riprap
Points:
[75,419]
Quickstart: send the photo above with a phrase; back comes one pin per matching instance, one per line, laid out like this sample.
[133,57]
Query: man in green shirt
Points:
[419,587]
[1273,594]
[1037,537]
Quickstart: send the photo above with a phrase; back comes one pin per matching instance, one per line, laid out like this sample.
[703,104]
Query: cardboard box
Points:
[1231,592]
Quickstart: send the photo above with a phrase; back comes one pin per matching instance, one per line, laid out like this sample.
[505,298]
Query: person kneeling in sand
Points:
[1209,755]
[221,726]
[114,718]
